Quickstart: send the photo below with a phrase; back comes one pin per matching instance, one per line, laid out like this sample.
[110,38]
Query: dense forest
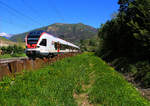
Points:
[125,40]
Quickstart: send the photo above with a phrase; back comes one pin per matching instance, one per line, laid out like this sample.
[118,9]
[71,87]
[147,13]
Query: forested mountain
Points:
[70,32]
[125,40]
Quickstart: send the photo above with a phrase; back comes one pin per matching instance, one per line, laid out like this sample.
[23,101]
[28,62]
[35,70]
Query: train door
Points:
[43,45]
[57,46]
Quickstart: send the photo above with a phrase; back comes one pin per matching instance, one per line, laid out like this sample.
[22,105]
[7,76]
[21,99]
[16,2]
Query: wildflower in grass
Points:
[12,82]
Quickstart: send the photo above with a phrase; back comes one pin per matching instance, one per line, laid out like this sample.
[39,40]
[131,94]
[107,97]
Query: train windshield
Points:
[33,37]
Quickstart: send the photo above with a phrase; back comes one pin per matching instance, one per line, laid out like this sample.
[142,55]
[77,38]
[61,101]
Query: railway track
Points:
[8,60]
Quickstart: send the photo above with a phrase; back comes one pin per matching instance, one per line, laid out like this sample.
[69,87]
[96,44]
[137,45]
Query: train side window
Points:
[63,47]
[55,45]
[43,42]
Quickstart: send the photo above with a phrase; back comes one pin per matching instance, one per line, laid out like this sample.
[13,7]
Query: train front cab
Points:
[35,46]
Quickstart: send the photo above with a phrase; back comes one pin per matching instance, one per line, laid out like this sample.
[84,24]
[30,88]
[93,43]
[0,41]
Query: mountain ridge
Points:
[70,32]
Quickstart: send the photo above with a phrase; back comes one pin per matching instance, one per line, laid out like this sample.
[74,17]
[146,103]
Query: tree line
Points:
[125,39]
[12,50]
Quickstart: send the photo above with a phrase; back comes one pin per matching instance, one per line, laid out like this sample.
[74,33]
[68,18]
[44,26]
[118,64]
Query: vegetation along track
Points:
[13,66]
[79,80]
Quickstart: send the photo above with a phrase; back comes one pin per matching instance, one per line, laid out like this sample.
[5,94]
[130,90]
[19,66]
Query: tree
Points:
[128,35]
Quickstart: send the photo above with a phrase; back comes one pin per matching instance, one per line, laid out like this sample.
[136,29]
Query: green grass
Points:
[111,89]
[4,39]
[11,56]
[56,84]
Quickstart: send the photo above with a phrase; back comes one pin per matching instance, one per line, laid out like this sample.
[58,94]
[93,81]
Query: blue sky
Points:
[24,15]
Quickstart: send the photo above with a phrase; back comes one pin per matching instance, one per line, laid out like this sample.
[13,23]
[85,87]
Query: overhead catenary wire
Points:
[25,25]
[30,7]
[57,11]
[35,11]
[19,13]
[11,23]
[54,7]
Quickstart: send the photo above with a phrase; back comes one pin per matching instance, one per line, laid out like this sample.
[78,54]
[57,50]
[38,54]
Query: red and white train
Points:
[43,44]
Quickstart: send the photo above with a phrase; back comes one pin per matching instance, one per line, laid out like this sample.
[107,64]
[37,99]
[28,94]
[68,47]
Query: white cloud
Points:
[5,34]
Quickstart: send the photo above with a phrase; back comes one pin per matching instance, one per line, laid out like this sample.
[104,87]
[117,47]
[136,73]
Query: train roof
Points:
[66,43]
[63,41]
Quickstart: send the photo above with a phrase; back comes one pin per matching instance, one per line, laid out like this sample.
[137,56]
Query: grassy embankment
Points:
[82,79]
[11,56]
